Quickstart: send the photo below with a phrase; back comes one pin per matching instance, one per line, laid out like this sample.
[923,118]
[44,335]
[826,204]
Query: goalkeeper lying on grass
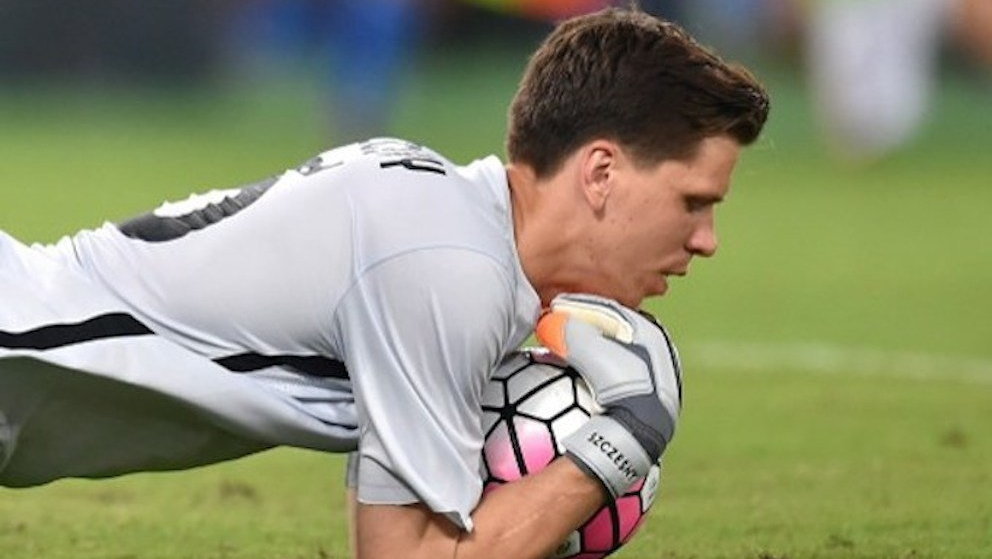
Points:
[359,302]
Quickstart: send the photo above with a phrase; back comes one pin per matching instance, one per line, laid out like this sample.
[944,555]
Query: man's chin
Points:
[633,302]
[658,288]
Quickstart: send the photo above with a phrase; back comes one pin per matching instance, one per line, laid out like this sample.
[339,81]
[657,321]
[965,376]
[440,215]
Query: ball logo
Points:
[650,489]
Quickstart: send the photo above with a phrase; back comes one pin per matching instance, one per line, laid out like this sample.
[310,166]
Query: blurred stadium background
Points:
[838,356]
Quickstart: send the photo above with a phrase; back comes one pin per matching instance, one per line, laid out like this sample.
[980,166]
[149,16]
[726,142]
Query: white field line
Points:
[824,358]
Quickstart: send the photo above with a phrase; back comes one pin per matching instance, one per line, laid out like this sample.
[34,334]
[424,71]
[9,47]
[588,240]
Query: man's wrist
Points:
[605,450]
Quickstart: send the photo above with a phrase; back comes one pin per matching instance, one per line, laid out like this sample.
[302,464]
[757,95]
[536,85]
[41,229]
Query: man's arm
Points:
[513,521]
[629,361]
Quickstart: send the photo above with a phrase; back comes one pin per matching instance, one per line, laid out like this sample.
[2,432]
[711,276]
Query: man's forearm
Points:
[525,519]
[533,515]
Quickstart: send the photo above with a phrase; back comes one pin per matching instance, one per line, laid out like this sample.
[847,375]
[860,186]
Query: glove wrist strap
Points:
[604,449]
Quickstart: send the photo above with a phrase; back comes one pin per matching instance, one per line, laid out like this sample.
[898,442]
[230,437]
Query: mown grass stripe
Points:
[825,358]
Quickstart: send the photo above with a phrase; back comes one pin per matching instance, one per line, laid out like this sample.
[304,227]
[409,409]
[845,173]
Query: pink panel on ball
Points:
[629,509]
[598,532]
[588,556]
[535,443]
[499,455]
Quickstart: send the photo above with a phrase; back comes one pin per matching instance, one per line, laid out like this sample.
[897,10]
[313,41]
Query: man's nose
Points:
[703,241]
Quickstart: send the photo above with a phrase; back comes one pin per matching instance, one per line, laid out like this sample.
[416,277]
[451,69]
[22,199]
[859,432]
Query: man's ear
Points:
[598,168]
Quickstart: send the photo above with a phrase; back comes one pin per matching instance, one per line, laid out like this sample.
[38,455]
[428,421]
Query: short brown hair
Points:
[625,75]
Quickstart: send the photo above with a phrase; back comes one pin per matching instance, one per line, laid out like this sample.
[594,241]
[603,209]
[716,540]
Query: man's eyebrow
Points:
[705,198]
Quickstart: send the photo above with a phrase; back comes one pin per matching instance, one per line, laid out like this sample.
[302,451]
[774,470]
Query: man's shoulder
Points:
[404,160]
[409,195]
[380,153]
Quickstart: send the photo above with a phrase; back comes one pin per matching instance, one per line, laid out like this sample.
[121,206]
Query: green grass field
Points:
[837,351]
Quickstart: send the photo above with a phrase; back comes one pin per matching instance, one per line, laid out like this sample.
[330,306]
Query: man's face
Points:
[657,218]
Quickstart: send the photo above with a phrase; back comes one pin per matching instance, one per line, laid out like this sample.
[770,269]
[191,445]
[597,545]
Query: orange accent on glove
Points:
[550,332]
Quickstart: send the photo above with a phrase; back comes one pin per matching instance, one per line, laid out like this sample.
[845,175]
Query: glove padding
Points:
[632,368]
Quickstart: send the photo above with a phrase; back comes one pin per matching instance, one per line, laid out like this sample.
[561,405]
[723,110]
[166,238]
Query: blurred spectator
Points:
[370,44]
[973,27]
[734,26]
[871,65]
[362,46]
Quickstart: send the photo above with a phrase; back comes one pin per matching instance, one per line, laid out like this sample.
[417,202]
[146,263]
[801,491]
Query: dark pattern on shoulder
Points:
[154,228]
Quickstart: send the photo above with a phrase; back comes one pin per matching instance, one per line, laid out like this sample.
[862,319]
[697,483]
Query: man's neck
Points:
[545,228]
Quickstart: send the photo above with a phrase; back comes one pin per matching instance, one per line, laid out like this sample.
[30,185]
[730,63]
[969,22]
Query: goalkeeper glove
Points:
[632,367]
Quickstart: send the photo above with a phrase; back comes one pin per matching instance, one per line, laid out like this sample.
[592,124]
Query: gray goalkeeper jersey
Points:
[375,287]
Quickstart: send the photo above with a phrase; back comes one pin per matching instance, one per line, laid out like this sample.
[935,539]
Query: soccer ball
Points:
[531,403]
